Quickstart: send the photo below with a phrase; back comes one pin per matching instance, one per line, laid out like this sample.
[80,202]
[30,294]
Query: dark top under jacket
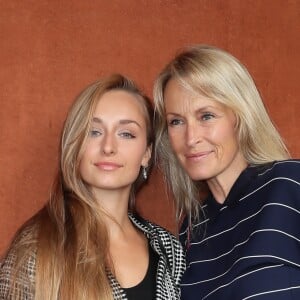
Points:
[248,247]
[146,289]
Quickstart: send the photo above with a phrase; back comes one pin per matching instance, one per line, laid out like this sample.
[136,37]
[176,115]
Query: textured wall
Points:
[50,50]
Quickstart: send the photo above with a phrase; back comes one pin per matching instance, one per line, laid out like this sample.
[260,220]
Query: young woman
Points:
[214,135]
[88,242]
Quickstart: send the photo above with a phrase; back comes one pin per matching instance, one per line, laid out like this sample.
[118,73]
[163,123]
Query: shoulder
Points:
[167,238]
[272,202]
[23,244]
[24,265]
[17,268]
[280,179]
[154,230]
[289,169]
[163,242]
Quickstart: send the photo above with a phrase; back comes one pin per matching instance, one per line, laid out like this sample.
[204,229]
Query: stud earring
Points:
[145,175]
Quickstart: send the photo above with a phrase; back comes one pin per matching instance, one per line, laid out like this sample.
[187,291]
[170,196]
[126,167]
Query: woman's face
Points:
[117,144]
[203,135]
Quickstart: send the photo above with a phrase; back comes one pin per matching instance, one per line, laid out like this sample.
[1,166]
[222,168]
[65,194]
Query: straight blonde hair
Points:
[211,72]
[68,236]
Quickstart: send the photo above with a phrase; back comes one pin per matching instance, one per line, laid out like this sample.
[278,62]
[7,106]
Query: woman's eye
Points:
[95,133]
[127,135]
[174,122]
[207,116]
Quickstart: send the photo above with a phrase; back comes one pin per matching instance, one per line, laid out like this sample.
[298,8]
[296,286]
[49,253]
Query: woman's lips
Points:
[198,155]
[108,166]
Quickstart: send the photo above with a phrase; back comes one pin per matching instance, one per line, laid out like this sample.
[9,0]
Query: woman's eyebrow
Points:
[128,121]
[122,122]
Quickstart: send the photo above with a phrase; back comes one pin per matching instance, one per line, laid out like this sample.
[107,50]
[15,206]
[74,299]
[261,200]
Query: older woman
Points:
[232,177]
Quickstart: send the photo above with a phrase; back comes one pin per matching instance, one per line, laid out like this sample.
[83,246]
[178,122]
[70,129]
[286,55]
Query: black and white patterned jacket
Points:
[171,265]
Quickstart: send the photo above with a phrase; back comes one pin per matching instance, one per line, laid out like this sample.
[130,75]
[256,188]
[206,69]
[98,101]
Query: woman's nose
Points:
[109,146]
[193,134]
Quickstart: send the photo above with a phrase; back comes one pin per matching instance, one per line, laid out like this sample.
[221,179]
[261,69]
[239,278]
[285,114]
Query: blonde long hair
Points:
[69,234]
[216,74]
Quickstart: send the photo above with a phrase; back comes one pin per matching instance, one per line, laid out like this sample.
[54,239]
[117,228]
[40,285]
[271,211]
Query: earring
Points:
[145,175]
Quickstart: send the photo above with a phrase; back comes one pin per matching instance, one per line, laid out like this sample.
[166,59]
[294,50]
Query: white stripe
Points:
[202,222]
[246,196]
[239,277]
[278,163]
[272,291]
[264,185]
[243,220]
[273,179]
[238,260]
[240,244]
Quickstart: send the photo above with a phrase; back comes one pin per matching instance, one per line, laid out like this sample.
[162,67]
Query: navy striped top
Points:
[248,247]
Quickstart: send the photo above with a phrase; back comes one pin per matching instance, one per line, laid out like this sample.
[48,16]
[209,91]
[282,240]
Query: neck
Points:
[221,185]
[115,205]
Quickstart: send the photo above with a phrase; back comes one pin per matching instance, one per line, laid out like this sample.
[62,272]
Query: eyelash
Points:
[207,116]
[95,133]
[174,122]
[204,117]
[126,135]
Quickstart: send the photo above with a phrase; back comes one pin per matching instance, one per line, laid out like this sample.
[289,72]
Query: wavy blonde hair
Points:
[214,73]
[69,234]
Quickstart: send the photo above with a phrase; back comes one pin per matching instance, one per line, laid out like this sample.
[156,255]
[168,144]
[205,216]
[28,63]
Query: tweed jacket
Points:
[171,265]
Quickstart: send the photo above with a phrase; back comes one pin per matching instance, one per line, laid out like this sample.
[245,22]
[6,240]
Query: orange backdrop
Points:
[50,50]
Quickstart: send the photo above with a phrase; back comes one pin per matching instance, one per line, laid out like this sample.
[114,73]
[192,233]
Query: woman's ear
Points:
[147,156]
